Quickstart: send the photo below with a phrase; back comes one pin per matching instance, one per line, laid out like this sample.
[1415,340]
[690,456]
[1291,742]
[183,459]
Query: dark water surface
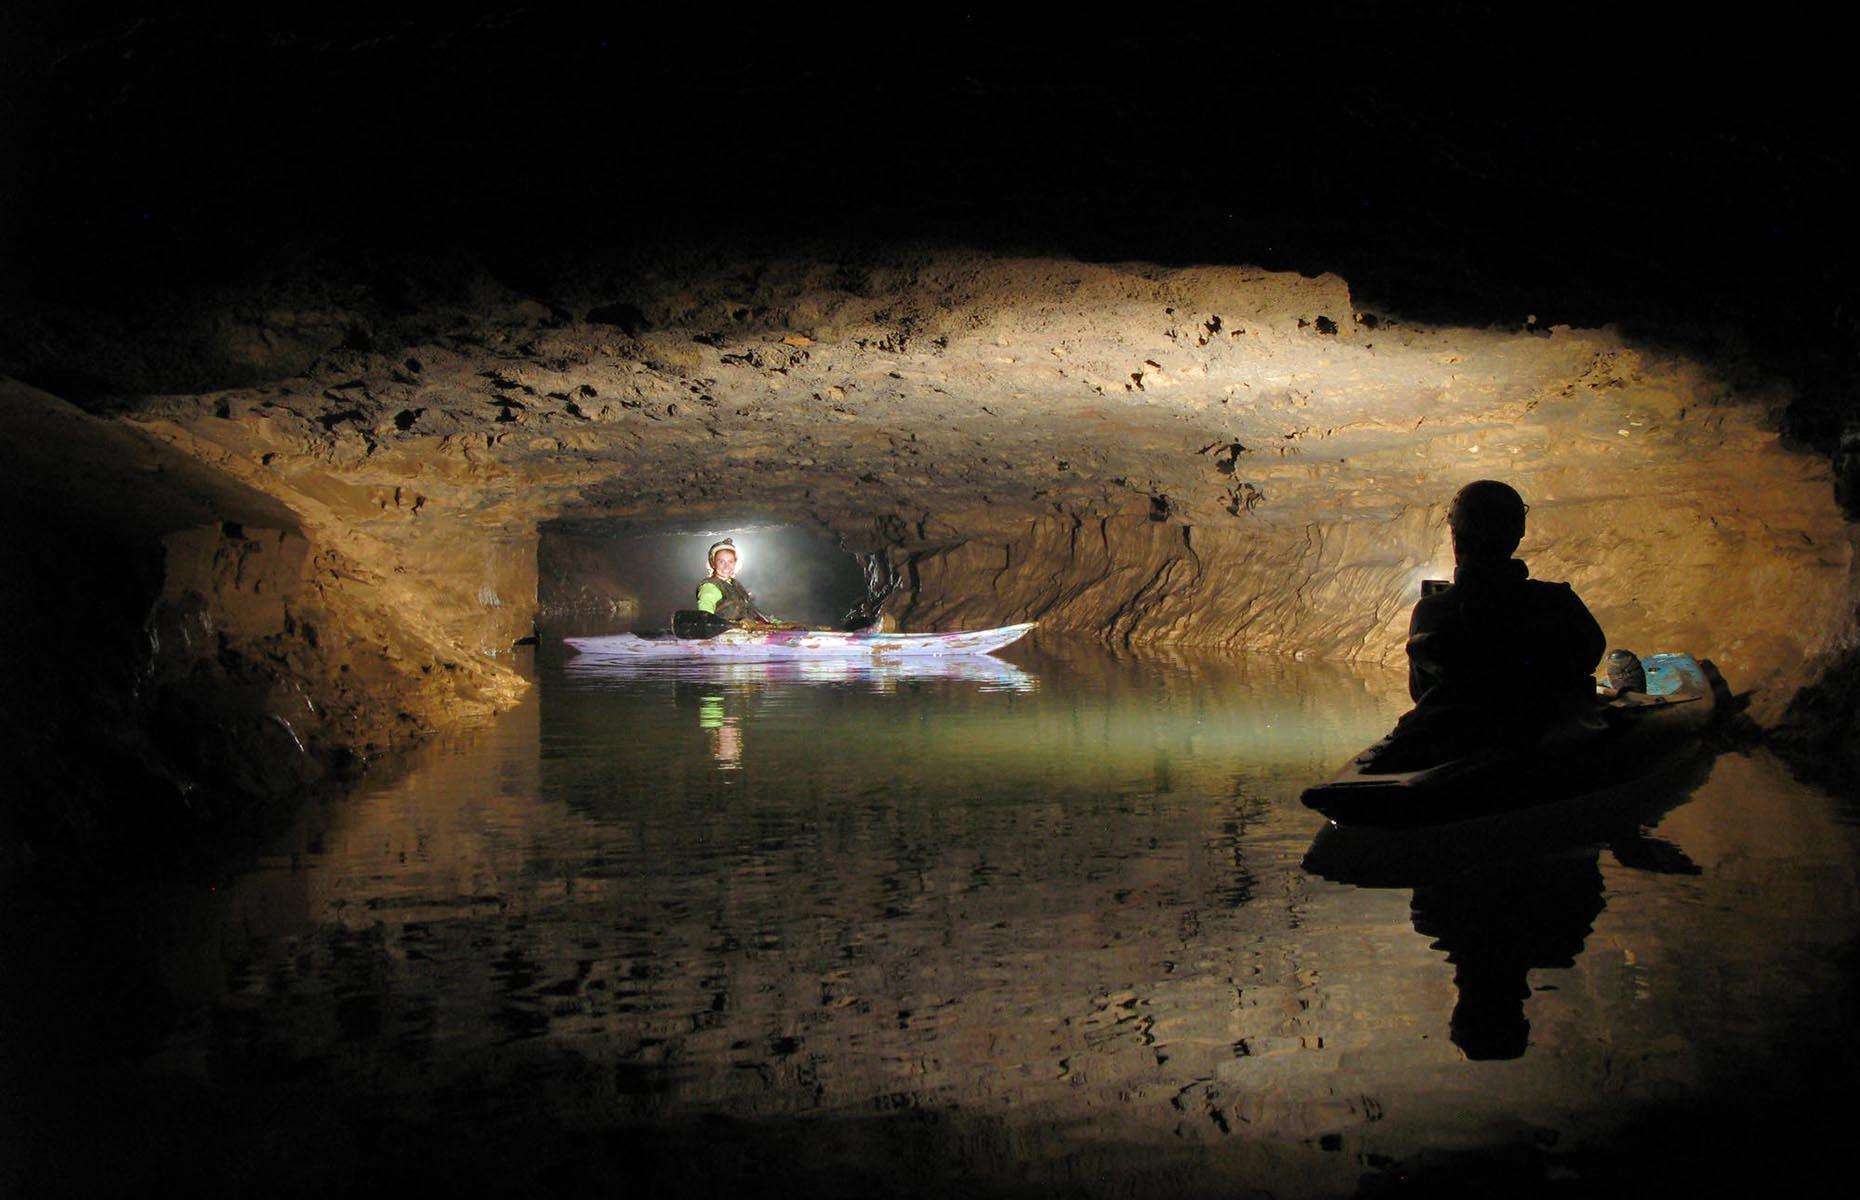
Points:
[1059,927]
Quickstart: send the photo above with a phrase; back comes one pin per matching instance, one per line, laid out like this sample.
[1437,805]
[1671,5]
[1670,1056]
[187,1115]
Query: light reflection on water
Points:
[1057,909]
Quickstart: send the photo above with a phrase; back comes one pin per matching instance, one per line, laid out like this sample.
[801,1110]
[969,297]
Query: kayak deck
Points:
[1634,734]
[985,670]
[768,645]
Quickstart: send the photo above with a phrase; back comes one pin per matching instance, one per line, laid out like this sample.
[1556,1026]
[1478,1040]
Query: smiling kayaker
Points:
[1498,658]
[721,594]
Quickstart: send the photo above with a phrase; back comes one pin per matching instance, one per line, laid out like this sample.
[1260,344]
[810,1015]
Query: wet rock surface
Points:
[184,646]
[1203,457]
[1206,456]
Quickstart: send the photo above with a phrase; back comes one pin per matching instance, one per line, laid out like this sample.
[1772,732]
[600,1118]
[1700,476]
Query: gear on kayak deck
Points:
[1623,671]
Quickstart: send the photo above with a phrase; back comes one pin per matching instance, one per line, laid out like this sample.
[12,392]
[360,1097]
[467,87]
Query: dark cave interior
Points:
[1685,183]
[1466,161]
[174,177]
[168,176]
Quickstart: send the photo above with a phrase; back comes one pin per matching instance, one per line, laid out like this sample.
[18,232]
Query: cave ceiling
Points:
[1650,170]
[1246,307]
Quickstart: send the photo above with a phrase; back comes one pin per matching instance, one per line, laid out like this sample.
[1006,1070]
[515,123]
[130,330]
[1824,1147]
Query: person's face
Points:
[724,565]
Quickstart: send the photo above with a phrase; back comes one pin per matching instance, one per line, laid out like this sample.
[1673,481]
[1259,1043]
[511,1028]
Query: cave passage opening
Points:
[599,576]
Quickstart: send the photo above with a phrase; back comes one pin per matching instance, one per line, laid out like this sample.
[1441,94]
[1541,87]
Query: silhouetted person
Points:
[1498,658]
[1498,924]
[1500,921]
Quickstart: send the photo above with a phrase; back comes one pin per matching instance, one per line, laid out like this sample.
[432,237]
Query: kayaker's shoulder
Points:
[1553,591]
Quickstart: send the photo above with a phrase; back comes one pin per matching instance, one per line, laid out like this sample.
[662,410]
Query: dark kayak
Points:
[1637,733]
[1616,817]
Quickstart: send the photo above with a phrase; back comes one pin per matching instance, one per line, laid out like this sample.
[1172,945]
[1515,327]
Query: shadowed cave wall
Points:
[1206,456]
[310,326]
[1220,458]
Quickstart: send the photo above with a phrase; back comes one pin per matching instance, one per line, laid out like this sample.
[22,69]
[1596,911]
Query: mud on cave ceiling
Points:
[1209,457]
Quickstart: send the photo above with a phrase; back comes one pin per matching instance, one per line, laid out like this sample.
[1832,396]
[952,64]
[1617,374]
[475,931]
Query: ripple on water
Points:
[1029,924]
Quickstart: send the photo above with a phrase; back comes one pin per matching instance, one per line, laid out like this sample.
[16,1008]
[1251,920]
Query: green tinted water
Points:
[1045,925]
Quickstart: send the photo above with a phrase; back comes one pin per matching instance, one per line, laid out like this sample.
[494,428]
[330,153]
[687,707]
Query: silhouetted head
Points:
[1487,519]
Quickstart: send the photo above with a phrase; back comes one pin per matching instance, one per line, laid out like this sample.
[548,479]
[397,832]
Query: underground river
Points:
[1052,923]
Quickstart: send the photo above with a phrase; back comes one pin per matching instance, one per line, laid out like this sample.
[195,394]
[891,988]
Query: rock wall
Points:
[308,649]
[1333,591]
[578,587]
[1693,555]
[185,645]
[1202,457]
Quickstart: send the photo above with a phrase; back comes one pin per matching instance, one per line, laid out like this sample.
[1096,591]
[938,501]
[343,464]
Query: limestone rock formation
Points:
[1206,457]
[1210,456]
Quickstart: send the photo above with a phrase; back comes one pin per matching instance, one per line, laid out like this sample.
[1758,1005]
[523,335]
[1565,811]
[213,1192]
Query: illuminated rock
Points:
[1125,452]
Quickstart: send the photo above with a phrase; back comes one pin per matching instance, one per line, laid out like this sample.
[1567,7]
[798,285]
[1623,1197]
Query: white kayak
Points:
[771,645]
[991,673]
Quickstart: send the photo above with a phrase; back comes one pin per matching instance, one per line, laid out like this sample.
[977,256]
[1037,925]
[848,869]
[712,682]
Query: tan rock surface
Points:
[1206,456]
[154,592]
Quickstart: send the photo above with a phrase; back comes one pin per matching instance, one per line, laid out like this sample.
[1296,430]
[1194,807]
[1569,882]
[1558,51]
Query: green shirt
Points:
[728,599]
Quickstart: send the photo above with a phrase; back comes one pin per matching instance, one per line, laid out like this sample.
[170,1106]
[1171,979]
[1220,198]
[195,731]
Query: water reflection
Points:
[930,934]
[1513,893]
[725,695]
